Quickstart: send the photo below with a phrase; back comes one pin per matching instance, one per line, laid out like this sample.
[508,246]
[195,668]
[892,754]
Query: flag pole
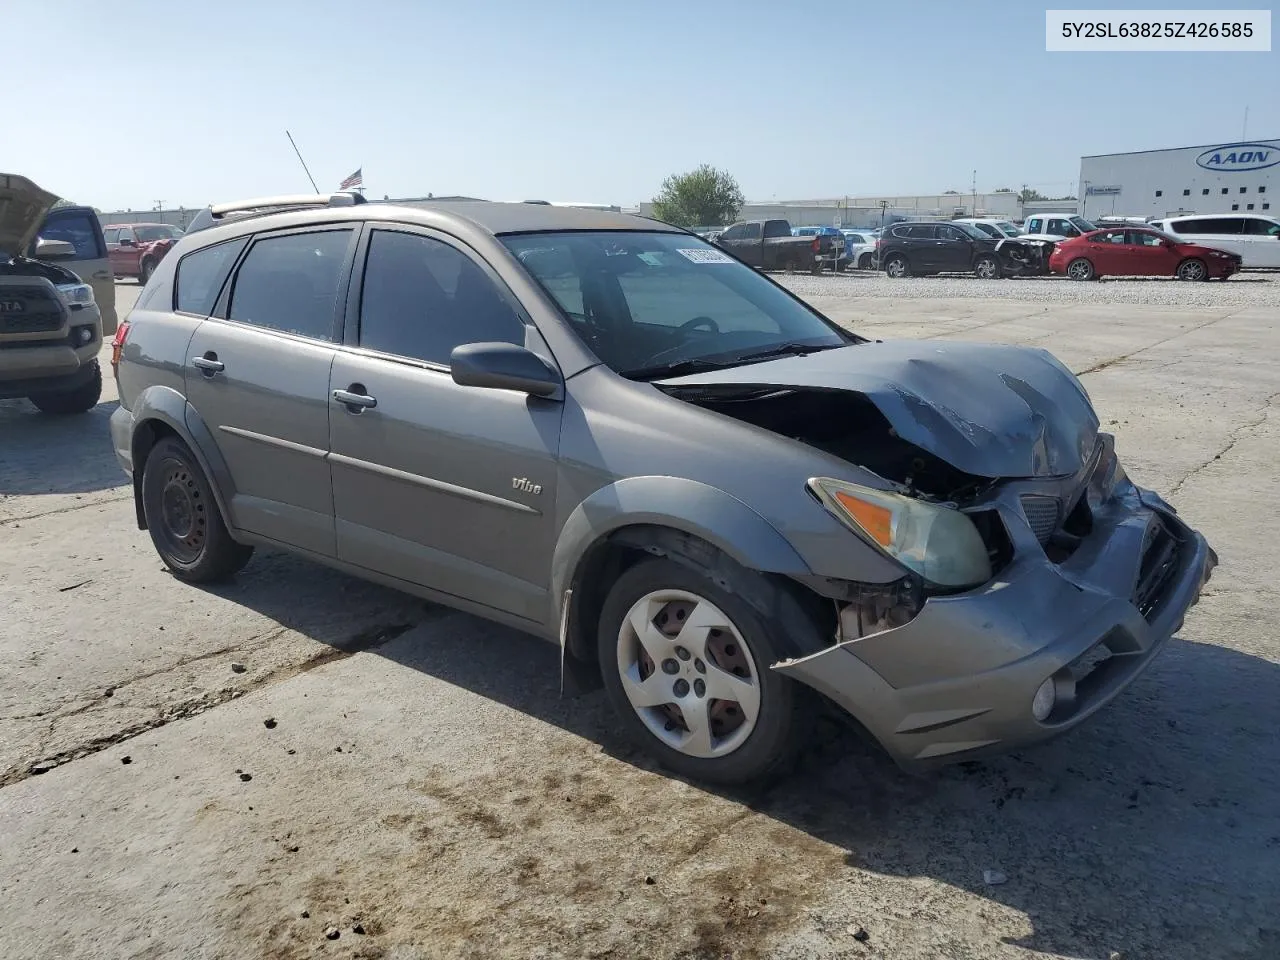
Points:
[303,162]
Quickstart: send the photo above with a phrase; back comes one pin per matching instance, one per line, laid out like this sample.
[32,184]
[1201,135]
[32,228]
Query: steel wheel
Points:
[896,267]
[986,268]
[1080,269]
[1192,270]
[183,513]
[688,673]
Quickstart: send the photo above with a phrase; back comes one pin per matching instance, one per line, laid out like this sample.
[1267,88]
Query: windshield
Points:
[147,234]
[646,303]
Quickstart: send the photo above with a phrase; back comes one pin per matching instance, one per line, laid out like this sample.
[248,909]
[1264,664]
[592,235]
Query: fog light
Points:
[1043,702]
[84,335]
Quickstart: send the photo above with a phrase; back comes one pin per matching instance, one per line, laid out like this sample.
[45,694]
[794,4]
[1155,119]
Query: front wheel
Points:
[686,663]
[145,271]
[986,268]
[1192,270]
[80,400]
[183,518]
[1080,269]
[897,267]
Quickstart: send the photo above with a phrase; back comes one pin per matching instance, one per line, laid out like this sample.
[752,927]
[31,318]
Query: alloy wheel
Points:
[688,673]
[896,268]
[1191,270]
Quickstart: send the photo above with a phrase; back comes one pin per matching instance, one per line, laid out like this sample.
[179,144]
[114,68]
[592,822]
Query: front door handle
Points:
[208,364]
[354,398]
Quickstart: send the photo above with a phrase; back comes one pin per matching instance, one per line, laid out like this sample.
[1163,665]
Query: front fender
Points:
[167,406]
[687,505]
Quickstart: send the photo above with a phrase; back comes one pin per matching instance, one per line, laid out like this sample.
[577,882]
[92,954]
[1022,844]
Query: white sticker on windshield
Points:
[705,255]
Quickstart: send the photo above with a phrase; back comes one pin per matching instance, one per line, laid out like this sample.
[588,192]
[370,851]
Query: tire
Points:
[183,517]
[897,267]
[145,271]
[759,728]
[1081,269]
[986,268]
[80,400]
[815,268]
[1193,270]
[864,262]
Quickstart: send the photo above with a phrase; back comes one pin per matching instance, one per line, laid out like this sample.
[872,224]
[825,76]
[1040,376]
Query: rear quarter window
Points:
[201,274]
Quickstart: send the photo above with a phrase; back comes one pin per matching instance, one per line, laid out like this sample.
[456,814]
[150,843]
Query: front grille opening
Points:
[992,530]
[1042,515]
[1068,537]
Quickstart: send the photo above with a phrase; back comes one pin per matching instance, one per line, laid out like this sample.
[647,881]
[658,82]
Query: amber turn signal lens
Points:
[876,520]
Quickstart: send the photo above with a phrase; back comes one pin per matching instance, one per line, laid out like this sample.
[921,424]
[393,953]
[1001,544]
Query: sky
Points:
[128,104]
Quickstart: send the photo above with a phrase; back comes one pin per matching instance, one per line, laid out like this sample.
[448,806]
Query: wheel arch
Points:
[161,411]
[636,517]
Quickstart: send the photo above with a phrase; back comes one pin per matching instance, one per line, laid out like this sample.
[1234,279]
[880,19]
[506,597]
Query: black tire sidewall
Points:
[80,400]
[782,702]
[220,555]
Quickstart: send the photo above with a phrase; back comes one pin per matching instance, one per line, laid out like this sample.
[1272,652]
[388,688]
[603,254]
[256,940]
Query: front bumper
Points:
[957,681]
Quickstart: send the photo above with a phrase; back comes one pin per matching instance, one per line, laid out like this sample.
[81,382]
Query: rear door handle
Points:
[210,365]
[355,399]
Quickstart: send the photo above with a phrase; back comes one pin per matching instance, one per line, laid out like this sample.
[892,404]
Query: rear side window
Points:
[1262,228]
[421,298]
[290,283]
[776,228]
[200,276]
[81,230]
[921,231]
[1221,225]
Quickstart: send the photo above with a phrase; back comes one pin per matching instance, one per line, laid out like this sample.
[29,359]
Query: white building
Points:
[1215,178]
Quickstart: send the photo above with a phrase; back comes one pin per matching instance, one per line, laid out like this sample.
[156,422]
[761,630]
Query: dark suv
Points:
[927,248]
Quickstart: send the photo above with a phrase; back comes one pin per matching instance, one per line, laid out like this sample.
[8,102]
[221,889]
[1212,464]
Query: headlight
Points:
[75,293]
[941,544]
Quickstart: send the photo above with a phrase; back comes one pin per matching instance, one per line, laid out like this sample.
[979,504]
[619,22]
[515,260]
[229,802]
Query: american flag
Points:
[355,180]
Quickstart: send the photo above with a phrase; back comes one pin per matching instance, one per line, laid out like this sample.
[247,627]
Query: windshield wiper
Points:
[677,369]
[789,348]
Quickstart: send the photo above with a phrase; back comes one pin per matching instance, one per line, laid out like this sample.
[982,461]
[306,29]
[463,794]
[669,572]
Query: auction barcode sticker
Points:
[1137,31]
[705,256]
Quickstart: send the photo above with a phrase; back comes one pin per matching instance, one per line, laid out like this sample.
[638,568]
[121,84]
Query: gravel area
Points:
[1243,290]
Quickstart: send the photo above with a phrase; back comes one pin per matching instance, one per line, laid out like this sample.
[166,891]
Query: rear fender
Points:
[165,405]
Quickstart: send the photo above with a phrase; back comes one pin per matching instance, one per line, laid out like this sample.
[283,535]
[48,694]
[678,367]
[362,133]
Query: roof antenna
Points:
[303,162]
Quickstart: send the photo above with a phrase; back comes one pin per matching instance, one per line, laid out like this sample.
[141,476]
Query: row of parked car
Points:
[1191,247]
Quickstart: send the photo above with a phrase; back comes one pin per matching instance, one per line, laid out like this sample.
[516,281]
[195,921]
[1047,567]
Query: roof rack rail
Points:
[261,206]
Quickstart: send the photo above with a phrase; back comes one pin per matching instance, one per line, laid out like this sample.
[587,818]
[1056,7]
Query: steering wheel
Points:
[697,322]
[685,328]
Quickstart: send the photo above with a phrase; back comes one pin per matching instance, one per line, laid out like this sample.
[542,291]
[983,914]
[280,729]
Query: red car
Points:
[1139,252]
[134,249]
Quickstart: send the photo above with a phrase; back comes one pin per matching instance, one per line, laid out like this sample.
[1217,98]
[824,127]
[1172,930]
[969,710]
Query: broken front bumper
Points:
[957,681]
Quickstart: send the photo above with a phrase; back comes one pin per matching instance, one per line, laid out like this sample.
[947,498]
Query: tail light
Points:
[816,245]
[117,345]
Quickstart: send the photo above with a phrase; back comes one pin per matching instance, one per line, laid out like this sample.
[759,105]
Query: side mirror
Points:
[126,242]
[503,366]
[55,250]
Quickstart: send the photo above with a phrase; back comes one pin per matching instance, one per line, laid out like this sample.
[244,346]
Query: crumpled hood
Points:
[988,409]
[22,209]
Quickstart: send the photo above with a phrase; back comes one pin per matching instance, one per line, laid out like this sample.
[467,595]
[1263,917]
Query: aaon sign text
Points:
[1239,157]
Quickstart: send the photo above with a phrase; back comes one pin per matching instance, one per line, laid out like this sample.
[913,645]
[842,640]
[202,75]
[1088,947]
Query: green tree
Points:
[1031,195]
[1003,190]
[705,197]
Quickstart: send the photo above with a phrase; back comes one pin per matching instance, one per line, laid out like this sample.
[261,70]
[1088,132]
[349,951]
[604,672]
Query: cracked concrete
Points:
[422,779]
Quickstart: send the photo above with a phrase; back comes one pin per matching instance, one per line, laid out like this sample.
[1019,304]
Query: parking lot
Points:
[232,772]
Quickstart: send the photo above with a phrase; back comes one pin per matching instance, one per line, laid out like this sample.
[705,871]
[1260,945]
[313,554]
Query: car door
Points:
[1149,254]
[955,252]
[1109,253]
[1261,242]
[111,237]
[922,246]
[125,261]
[258,375]
[435,483]
[79,226]
[731,240]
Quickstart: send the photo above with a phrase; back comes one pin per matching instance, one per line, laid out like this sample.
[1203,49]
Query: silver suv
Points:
[605,431]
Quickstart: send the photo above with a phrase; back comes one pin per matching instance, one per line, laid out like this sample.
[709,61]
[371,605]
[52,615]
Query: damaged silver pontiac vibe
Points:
[607,432]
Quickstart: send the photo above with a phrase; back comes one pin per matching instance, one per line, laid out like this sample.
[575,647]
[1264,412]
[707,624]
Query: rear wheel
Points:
[1192,270]
[864,262]
[686,663]
[80,400]
[897,267]
[183,517]
[1080,269]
